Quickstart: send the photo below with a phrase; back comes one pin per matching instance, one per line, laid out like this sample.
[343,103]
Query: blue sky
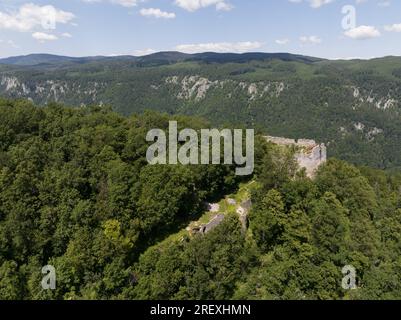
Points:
[136,27]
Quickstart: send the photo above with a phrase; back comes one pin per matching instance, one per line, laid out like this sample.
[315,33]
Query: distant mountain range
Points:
[171,57]
[352,106]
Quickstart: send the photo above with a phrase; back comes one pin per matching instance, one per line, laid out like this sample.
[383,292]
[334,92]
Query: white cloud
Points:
[237,47]
[66,35]
[144,52]
[380,3]
[156,13]
[194,5]
[314,3]
[124,3]
[136,53]
[310,40]
[42,37]
[384,4]
[319,3]
[10,43]
[224,6]
[363,33]
[282,42]
[393,28]
[30,16]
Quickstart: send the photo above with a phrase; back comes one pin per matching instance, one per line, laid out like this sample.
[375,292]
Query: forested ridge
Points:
[77,193]
[354,106]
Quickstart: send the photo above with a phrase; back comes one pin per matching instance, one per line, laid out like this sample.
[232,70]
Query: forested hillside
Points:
[352,106]
[77,193]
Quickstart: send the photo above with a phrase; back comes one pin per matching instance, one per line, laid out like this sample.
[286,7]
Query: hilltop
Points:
[77,193]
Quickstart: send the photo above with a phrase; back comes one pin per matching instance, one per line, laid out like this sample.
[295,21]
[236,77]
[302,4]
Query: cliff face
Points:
[310,155]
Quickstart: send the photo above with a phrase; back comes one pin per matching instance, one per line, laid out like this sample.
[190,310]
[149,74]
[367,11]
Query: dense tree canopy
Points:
[77,193]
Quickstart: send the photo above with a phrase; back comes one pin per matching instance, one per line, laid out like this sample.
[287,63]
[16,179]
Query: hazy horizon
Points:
[165,51]
[329,29]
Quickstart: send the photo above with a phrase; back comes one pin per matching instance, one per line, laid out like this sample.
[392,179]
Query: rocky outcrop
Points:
[196,87]
[309,155]
[379,101]
[49,90]
[243,212]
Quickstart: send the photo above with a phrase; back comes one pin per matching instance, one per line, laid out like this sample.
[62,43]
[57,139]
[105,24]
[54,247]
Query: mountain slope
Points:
[353,106]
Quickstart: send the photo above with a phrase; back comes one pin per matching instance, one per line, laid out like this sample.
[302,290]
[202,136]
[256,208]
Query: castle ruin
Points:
[309,155]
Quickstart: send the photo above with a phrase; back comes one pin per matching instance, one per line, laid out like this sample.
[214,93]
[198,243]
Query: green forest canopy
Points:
[77,193]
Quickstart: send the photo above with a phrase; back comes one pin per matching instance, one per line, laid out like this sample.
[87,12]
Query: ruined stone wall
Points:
[281,141]
[311,159]
[310,154]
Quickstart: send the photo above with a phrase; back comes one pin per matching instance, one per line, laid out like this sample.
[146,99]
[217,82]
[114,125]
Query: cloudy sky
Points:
[323,28]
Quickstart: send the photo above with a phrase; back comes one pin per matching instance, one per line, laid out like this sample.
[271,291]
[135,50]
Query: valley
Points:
[351,106]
